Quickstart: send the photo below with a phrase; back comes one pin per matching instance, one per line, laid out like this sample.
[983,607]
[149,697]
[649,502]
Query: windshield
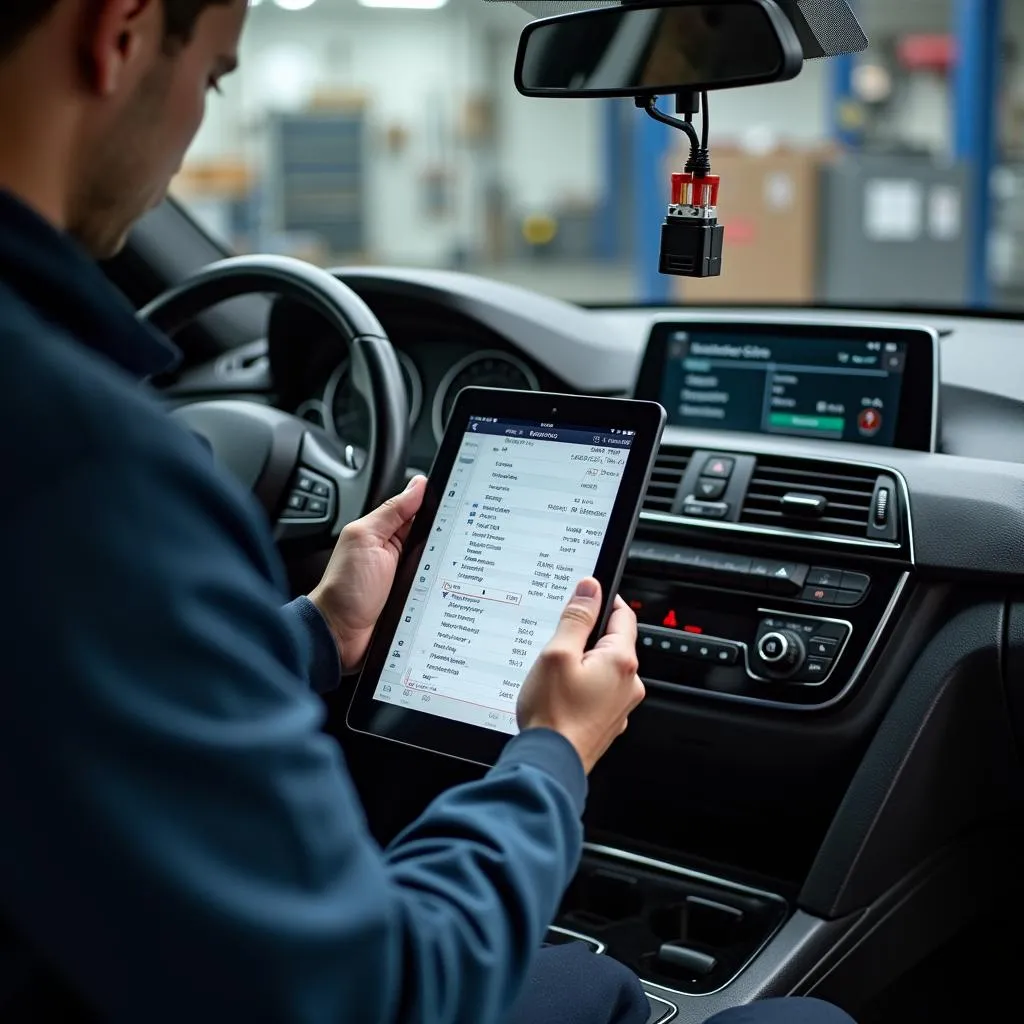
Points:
[389,132]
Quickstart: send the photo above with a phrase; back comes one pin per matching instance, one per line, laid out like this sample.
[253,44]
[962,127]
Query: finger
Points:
[621,629]
[384,522]
[579,617]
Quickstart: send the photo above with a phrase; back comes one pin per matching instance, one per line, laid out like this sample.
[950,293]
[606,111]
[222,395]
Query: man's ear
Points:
[118,38]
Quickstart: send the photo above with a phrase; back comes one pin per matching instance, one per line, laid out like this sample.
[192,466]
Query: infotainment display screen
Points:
[866,384]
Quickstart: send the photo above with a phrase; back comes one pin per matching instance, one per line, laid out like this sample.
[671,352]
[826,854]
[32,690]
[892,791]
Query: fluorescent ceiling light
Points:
[294,5]
[418,5]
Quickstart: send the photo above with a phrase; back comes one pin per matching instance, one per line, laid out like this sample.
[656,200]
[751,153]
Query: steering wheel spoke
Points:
[308,488]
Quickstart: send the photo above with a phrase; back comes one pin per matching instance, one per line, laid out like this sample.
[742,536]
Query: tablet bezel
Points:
[479,744]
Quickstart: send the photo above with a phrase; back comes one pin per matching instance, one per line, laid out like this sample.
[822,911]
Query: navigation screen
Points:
[522,519]
[835,389]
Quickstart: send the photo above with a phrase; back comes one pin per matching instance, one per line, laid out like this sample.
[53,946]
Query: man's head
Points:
[100,99]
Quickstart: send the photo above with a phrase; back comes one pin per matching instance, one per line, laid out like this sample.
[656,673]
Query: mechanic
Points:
[180,839]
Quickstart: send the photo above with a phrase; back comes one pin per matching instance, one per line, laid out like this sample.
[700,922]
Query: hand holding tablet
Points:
[585,695]
[529,494]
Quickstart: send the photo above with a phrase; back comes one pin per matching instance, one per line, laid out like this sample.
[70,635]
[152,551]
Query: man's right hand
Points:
[585,695]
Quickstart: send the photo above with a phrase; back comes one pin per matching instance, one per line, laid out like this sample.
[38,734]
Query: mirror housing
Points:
[658,47]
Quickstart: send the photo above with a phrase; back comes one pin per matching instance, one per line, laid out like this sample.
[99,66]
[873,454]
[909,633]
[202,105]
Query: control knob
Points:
[782,652]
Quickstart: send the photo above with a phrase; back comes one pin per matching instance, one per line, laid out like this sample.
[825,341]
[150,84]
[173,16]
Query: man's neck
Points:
[37,133]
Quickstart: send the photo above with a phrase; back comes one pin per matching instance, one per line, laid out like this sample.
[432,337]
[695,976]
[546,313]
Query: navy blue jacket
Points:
[179,841]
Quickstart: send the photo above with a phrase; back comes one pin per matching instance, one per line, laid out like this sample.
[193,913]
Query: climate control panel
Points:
[798,650]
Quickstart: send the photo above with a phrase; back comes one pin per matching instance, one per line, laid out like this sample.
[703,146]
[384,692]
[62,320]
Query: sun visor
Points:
[826,28]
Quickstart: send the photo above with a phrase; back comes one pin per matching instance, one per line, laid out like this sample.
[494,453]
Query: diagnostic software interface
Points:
[522,519]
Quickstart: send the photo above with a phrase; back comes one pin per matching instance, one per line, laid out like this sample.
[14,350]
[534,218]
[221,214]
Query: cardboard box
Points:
[769,206]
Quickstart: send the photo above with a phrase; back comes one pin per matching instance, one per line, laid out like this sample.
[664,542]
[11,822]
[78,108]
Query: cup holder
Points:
[681,929]
[600,898]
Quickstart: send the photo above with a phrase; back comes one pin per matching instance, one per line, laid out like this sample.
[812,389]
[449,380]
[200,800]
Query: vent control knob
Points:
[881,507]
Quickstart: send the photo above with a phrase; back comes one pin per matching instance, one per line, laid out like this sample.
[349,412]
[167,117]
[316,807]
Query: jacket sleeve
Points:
[320,661]
[180,839]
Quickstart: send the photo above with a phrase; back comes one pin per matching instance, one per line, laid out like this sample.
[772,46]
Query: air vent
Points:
[819,497]
[669,469]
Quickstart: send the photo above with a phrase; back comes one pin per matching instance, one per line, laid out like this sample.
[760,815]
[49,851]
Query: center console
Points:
[764,582]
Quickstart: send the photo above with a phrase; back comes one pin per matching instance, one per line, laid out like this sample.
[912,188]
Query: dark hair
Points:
[19,17]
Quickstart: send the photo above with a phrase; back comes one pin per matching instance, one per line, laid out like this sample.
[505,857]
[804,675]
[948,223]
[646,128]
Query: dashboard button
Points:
[647,641]
[822,647]
[857,581]
[815,669]
[726,654]
[665,645]
[772,647]
[831,630]
[778,577]
[706,509]
[846,598]
[687,648]
[709,488]
[819,577]
[819,595]
[718,466]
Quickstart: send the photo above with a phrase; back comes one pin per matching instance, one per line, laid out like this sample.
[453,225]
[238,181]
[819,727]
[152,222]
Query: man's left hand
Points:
[361,571]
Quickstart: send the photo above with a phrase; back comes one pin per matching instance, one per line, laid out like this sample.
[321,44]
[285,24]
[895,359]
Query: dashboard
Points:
[826,577]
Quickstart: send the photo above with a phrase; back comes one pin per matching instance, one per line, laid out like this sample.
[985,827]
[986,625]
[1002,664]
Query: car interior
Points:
[822,793]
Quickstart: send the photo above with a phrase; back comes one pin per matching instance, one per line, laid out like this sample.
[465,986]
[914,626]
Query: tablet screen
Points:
[522,518]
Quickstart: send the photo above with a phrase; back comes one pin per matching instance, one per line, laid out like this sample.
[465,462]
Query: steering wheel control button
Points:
[709,488]
[819,595]
[718,466]
[822,647]
[819,577]
[311,499]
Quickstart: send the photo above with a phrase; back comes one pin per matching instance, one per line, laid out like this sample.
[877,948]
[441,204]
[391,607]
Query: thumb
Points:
[580,615]
[387,519]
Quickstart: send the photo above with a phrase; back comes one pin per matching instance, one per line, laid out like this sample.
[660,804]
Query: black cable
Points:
[705,126]
[649,104]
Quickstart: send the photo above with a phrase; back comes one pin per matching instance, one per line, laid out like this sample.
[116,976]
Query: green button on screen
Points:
[793,421]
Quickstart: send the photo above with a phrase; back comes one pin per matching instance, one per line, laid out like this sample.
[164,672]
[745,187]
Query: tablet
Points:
[528,494]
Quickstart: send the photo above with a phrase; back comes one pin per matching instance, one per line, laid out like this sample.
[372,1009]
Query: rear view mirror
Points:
[658,49]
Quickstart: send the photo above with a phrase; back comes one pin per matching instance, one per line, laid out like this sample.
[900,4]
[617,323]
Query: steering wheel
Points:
[306,484]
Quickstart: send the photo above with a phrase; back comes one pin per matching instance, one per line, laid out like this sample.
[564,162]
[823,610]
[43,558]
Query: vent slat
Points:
[669,470]
[847,490]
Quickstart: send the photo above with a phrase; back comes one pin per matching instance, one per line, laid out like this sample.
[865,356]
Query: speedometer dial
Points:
[348,416]
[483,370]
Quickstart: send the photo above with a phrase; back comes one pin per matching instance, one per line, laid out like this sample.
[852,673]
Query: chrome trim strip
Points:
[816,321]
[780,705]
[669,1011]
[580,937]
[669,519]
[698,876]
[474,357]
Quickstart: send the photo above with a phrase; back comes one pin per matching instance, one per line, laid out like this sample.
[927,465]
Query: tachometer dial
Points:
[349,419]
